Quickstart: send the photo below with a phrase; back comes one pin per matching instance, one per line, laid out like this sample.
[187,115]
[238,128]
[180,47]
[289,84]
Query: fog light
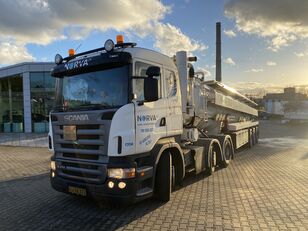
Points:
[53,165]
[53,174]
[110,184]
[122,185]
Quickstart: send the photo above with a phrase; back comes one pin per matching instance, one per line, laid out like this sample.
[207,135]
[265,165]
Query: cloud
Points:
[230,33]
[254,70]
[169,39]
[281,22]
[271,63]
[301,54]
[45,21]
[230,61]
[11,53]
[206,72]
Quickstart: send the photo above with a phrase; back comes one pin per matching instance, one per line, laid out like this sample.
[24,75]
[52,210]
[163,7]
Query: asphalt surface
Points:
[265,188]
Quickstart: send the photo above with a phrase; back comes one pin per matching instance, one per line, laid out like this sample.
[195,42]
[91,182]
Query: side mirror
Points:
[150,89]
[153,71]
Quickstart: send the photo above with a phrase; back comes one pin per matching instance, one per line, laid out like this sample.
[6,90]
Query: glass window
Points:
[11,101]
[138,83]
[42,99]
[99,89]
[170,83]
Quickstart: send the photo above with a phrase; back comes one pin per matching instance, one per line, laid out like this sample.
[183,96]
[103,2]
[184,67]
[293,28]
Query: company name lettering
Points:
[76,117]
[146,118]
[76,64]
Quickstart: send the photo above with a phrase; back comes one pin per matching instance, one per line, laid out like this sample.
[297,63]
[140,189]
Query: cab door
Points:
[150,117]
[172,93]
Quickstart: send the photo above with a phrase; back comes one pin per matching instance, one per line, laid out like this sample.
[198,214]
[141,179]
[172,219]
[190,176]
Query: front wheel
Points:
[163,180]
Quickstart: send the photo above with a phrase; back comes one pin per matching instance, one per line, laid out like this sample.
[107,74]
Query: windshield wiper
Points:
[88,106]
[91,106]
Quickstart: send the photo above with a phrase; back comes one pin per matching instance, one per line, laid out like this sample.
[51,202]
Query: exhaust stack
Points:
[218,51]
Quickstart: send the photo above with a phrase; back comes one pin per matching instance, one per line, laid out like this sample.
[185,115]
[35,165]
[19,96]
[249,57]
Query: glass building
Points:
[26,97]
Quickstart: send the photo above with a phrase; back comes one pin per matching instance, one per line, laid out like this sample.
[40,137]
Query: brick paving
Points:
[265,188]
[18,162]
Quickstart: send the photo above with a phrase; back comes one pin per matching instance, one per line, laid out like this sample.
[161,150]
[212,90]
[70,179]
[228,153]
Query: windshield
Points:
[99,89]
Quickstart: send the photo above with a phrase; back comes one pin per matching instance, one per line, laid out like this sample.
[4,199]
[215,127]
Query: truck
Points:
[130,123]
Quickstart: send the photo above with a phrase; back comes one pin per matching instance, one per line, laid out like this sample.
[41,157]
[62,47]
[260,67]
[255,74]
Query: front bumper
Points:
[136,189]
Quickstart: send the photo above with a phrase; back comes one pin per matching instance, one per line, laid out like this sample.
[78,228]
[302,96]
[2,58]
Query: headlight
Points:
[121,173]
[53,165]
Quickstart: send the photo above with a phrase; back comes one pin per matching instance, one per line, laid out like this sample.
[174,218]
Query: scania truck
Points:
[130,123]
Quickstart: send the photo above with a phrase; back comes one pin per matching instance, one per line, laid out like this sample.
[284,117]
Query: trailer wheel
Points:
[251,138]
[227,153]
[163,179]
[257,135]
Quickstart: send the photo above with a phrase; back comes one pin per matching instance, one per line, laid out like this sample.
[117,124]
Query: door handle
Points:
[162,122]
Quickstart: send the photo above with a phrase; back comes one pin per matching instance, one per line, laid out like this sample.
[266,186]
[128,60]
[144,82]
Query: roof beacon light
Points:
[109,45]
[58,59]
[120,39]
[71,52]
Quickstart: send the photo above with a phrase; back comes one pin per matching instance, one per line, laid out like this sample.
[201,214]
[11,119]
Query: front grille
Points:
[80,156]
[81,171]
[82,159]
[80,146]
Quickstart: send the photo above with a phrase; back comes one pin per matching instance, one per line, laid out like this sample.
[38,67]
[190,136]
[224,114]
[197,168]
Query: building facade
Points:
[26,97]
[289,104]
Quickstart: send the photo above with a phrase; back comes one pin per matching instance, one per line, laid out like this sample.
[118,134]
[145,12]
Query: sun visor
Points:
[92,63]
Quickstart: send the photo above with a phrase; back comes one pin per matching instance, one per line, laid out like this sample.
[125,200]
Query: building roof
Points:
[25,67]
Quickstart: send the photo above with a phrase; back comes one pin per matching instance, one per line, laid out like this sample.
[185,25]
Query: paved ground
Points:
[266,187]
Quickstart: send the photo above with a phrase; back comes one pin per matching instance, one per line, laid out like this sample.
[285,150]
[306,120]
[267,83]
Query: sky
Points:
[264,42]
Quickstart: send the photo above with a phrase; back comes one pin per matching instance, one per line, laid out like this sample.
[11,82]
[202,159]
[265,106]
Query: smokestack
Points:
[218,51]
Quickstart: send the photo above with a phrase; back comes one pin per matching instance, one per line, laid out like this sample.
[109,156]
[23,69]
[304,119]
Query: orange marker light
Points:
[71,52]
[120,38]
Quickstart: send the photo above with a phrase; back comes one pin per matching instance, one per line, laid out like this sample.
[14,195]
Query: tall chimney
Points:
[218,51]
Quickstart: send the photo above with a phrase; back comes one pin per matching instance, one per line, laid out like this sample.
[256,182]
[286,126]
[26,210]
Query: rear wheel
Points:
[251,138]
[211,160]
[227,153]
[257,135]
[163,180]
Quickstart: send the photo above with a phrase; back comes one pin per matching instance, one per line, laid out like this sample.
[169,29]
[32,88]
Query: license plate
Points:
[77,191]
[69,133]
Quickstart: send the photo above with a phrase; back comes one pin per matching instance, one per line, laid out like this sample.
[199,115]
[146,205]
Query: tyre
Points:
[227,153]
[257,135]
[211,161]
[163,180]
[251,138]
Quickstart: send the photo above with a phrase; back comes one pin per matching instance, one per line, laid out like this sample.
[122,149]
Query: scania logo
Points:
[76,117]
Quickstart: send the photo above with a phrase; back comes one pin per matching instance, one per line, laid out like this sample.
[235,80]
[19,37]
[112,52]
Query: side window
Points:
[138,83]
[171,84]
